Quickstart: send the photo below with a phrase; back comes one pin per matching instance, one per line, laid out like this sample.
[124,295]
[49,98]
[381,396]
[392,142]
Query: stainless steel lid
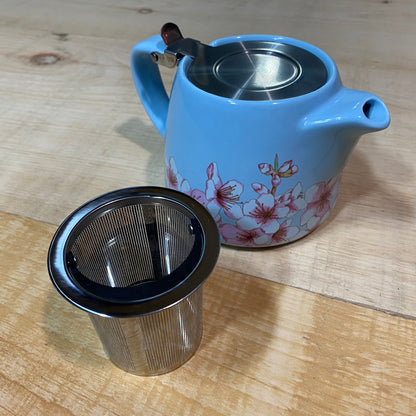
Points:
[256,70]
[248,70]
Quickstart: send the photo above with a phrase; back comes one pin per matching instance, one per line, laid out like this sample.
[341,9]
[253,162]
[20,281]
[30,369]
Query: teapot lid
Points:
[257,70]
[253,70]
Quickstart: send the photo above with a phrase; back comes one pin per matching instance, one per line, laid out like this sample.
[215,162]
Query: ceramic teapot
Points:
[258,129]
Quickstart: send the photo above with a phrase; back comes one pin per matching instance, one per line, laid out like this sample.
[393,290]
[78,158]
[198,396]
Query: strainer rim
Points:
[79,296]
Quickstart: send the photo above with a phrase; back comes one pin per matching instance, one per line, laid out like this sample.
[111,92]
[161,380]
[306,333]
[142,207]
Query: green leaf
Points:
[276,163]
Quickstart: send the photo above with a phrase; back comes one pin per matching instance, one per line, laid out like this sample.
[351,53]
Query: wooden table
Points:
[324,326]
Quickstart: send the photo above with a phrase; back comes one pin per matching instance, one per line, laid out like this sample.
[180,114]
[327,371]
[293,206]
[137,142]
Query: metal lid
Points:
[256,70]
[247,70]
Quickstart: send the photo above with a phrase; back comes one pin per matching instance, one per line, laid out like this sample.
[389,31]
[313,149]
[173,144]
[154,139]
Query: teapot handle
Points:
[148,82]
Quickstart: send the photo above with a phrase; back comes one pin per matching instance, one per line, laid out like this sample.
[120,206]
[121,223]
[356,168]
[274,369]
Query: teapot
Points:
[258,129]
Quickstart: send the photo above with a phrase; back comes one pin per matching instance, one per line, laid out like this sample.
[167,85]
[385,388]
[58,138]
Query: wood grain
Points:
[74,128]
[267,349]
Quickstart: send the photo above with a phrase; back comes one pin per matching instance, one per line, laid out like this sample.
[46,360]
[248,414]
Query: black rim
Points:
[146,297]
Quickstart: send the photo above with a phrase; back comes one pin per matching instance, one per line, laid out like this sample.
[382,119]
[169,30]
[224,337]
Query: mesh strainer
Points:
[135,260]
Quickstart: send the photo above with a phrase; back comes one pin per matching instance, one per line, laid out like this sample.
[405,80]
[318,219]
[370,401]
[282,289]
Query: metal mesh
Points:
[155,343]
[132,244]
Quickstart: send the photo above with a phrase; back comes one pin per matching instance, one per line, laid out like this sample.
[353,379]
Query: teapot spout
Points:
[349,113]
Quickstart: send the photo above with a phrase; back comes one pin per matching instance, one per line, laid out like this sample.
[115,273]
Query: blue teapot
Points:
[258,129]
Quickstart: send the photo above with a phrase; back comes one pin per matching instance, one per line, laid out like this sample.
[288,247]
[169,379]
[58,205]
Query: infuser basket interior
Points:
[135,243]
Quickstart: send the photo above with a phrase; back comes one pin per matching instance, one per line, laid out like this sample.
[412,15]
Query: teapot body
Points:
[268,171]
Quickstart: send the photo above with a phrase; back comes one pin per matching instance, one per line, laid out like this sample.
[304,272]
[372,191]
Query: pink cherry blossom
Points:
[275,181]
[232,234]
[285,233]
[292,199]
[266,168]
[318,198]
[263,213]
[224,195]
[287,169]
[174,179]
[259,188]
[267,219]
[277,173]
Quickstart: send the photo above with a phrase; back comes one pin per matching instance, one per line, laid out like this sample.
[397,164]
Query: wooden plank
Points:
[267,349]
[74,129]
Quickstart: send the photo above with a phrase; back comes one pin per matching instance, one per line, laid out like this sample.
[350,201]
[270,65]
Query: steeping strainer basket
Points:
[135,260]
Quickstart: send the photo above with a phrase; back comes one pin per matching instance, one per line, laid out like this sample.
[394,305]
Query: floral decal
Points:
[271,218]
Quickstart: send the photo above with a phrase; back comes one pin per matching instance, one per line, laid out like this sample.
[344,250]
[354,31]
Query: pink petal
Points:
[259,188]
[248,223]
[313,223]
[235,212]
[266,200]
[282,212]
[229,232]
[291,232]
[266,168]
[249,206]
[284,199]
[234,235]
[185,187]
[285,223]
[212,173]
[213,209]
[263,240]
[175,181]
[286,233]
[172,165]
[237,187]
[199,196]
[320,208]
[306,216]
[299,204]
[297,190]
[210,189]
[285,166]
[276,180]
[314,192]
[271,227]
